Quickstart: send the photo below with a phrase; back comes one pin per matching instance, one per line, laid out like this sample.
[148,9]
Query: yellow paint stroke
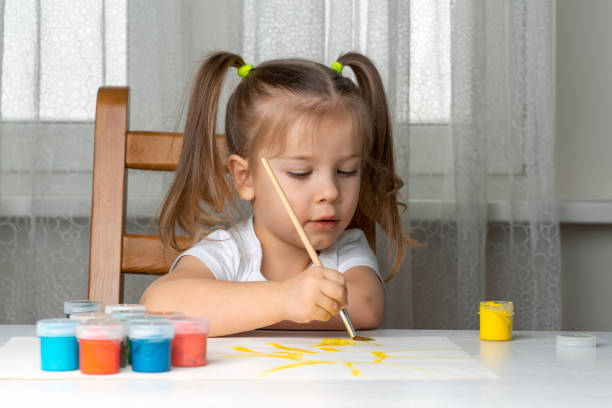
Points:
[272,370]
[300,355]
[335,342]
[328,349]
[281,347]
[380,356]
[355,372]
[246,350]
[278,354]
[341,342]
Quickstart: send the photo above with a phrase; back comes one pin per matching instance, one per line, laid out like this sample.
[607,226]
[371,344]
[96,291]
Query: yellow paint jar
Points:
[496,320]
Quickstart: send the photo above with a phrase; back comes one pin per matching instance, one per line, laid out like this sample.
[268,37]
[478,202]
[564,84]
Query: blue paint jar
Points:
[125,315]
[151,344]
[82,306]
[59,350]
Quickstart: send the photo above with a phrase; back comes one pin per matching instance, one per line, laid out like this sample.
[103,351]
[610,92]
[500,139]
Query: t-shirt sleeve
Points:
[218,253]
[354,250]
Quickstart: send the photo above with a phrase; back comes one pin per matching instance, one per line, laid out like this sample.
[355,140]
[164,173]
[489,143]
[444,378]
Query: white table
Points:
[532,371]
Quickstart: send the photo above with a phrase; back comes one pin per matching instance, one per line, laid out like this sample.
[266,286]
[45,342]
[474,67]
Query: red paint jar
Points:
[189,343]
[99,345]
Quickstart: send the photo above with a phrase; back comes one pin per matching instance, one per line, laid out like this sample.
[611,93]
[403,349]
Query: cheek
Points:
[274,207]
[351,189]
[298,198]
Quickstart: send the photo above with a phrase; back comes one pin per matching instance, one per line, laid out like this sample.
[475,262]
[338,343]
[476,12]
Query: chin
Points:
[321,245]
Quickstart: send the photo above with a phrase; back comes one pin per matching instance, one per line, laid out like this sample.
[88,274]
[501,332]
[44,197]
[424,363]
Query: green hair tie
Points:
[244,70]
[336,66]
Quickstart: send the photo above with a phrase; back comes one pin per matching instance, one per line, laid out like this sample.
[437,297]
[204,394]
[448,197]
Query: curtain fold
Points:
[471,92]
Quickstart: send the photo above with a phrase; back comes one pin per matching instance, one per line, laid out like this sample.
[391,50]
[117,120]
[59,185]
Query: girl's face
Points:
[321,176]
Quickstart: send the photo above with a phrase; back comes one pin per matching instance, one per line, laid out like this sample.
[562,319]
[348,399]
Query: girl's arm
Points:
[232,307]
[191,288]
[366,304]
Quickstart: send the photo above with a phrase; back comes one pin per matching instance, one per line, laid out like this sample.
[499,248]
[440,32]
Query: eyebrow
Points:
[302,157]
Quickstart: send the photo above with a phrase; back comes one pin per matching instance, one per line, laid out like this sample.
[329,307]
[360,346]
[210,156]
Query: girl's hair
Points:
[263,106]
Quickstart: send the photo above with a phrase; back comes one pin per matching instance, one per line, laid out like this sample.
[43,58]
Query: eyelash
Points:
[306,174]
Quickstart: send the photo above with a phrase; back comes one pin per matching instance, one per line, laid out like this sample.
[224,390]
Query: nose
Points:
[327,190]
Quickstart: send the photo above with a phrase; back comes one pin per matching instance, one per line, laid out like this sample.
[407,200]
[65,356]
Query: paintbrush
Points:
[311,251]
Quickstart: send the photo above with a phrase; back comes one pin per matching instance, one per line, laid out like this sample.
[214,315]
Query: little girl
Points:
[329,144]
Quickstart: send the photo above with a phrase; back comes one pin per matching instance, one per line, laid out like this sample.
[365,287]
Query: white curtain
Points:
[470,85]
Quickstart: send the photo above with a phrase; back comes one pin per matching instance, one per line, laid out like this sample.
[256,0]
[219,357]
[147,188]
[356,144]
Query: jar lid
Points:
[124,315]
[151,329]
[188,324]
[576,340]
[100,329]
[497,306]
[124,306]
[126,321]
[148,316]
[56,327]
[86,316]
[166,314]
[82,306]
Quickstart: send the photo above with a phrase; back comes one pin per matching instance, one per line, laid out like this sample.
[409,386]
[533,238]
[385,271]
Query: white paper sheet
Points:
[285,358]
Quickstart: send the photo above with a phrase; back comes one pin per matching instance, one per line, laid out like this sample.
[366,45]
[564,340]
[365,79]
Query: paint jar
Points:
[150,341]
[59,350]
[189,344]
[81,317]
[167,315]
[100,345]
[125,316]
[128,342]
[148,316]
[496,320]
[82,306]
[124,306]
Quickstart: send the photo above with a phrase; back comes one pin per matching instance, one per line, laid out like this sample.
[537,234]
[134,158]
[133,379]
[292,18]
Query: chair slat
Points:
[146,254]
[158,150]
[153,150]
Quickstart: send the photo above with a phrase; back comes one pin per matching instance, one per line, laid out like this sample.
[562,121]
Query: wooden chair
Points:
[111,251]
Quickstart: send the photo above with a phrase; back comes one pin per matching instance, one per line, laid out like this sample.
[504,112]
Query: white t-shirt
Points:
[235,254]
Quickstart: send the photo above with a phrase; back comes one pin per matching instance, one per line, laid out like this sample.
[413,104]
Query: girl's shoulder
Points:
[222,250]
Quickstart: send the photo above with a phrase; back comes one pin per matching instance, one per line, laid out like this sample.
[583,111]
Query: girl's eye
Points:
[346,173]
[299,174]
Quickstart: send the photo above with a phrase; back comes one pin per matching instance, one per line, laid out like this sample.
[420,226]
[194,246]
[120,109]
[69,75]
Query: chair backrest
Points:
[116,149]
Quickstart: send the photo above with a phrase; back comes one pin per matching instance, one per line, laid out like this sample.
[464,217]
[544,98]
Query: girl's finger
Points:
[334,291]
[321,314]
[334,276]
[329,305]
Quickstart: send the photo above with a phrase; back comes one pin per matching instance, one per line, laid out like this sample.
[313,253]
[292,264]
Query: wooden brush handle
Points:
[296,223]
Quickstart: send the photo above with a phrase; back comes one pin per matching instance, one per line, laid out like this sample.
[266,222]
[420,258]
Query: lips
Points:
[327,218]
[324,223]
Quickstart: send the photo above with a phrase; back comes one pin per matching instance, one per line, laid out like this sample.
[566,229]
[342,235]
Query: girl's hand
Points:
[318,293]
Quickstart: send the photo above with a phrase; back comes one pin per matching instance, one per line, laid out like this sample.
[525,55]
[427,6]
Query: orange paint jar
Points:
[189,343]
[100,345]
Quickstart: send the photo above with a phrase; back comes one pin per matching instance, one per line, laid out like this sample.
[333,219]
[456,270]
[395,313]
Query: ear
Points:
[241,176]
